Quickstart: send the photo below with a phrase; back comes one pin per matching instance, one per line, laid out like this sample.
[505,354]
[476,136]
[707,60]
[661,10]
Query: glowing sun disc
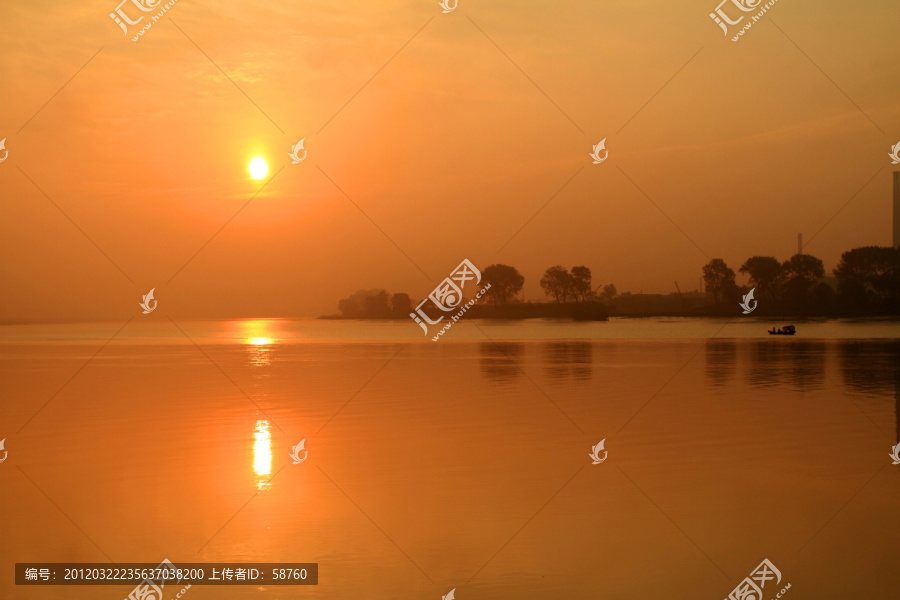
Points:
[258,168]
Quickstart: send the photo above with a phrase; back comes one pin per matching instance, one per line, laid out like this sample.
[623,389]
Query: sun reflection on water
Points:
[259,335]
[262,454]
[259,356]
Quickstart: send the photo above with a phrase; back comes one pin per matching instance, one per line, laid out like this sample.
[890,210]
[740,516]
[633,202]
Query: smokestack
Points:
[799,243]
[896,209]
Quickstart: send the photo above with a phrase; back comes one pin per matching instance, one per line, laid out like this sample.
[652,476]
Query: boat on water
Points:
[786,330]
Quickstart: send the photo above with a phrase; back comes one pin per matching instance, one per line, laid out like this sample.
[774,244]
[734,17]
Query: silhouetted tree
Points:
[869,277]
[609,292]
[365,304]
[581,282]
[506,282]
[803,270]
[557,282]
[800,272]
[377,306]
[823,298]
[401,305]
[765,274]
[718,278]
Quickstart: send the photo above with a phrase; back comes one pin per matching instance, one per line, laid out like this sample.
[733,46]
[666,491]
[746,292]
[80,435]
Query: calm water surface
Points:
[458,464]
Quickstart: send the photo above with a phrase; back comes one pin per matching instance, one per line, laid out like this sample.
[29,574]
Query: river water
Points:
[459,464]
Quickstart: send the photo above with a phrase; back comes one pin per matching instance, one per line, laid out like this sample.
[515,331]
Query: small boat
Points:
[788,330]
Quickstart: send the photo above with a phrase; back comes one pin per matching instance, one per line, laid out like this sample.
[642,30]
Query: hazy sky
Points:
[449,149]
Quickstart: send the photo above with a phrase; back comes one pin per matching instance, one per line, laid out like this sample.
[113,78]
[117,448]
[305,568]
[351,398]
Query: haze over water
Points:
[459,464]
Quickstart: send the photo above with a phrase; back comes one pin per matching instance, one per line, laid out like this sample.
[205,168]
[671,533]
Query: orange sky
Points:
[449,149]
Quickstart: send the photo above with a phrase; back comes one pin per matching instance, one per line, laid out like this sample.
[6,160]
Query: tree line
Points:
[866,281]
[559,284]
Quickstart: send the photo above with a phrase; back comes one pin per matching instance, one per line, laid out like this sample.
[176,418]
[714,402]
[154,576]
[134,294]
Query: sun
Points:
[258,168]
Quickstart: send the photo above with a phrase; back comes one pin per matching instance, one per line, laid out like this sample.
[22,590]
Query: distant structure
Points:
[896,209]
[799,243]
